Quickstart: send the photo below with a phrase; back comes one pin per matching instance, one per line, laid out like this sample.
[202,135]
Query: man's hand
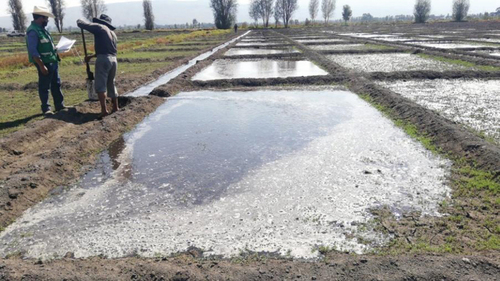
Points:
[42,66]
[44,70]
[88,58]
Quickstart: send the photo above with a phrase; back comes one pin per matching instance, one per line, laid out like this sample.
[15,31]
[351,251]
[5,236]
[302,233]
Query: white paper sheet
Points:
[64,44]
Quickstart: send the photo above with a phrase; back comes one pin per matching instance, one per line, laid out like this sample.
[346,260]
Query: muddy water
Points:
[255,51]
[391,62]
[474,103]
[146,89]
[231,69]
[273,171]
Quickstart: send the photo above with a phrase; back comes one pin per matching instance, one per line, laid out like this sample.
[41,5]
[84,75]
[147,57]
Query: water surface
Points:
[231,69]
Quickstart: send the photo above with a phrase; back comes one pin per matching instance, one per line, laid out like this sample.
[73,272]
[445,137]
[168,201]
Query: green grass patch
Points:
[23,106]
[377,47]
[472,180]
[462,63]
[157,55]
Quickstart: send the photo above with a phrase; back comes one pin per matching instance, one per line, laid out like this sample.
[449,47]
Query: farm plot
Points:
[259,171]
[390,63]
[344,47]
[473,103]
[258,51]
[231,69]
[455,45]
[319,40]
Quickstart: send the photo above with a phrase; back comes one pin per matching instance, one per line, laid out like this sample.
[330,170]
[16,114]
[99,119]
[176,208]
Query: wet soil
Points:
[255,267]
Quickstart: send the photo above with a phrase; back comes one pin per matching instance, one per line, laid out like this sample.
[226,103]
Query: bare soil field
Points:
[461,244]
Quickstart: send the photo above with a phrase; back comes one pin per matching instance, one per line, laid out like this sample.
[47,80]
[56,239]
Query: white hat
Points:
[43,11]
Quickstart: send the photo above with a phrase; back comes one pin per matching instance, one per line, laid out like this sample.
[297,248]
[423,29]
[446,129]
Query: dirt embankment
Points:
[190,267]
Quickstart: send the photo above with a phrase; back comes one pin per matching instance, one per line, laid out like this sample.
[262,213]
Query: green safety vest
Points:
[45,46]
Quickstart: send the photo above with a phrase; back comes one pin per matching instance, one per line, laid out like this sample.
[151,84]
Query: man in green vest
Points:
[42,53]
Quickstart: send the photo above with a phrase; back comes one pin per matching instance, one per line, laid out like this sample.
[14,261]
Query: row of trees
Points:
[90,9]
[284,9]
[280,10]
[422,10]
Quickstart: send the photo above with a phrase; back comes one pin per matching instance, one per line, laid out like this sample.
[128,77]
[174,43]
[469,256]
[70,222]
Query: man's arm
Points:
[33,51]
[90,27]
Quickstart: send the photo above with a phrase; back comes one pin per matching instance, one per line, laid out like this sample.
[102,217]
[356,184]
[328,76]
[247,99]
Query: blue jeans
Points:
[50,81]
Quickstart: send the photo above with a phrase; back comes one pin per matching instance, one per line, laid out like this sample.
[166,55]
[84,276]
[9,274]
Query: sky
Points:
[376,8]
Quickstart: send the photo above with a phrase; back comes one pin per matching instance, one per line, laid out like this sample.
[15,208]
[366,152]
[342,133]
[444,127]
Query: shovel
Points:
[90,76]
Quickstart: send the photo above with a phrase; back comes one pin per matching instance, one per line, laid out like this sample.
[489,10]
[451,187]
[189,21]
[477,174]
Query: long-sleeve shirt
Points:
[105,40]
[33,44]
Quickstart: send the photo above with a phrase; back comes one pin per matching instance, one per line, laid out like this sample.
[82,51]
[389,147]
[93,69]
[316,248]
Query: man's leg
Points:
[112,93]
[102,100]
[43,88]
[55,87]
[101,77]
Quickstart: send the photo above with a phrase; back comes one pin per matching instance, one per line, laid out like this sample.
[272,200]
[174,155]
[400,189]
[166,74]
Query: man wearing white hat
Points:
[42,53]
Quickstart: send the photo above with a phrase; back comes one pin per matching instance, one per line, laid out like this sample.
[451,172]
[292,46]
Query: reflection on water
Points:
[213,139]
[231,69]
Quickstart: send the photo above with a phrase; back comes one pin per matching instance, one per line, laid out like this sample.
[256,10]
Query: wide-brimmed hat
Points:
[42,11]
[104,19]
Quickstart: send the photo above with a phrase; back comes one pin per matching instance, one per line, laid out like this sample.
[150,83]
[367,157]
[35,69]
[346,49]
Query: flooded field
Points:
[343,47]
[390,62]
[263,171]
[455,45]
[473,103]
[258,51]
[276,43]
[231,69]
[325,40]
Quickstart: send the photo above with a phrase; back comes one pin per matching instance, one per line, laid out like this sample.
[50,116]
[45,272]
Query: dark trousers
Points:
[50,81]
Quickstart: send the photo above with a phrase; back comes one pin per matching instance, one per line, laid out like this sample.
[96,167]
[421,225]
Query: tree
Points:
[287,8]
[346,13]
[460,9]
[92,8]
[149,18]
[254,11]
[366,17]
[266,10]
[278,12]
[422,10]
[18,16]
[195,23]
[224,12]
[57,7]
[327,8]
[313,9]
